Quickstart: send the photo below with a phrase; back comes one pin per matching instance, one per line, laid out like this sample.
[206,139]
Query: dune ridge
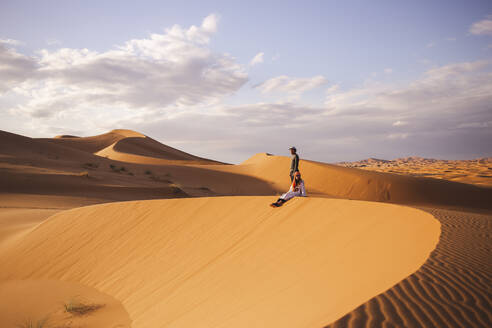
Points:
[96,143]
[40,167]
[129,146]
[228,261]
[341,182]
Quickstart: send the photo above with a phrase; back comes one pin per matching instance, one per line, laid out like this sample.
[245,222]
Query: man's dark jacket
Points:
[294,165]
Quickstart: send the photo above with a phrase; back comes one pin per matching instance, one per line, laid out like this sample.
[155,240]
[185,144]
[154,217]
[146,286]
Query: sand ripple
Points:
[452,289]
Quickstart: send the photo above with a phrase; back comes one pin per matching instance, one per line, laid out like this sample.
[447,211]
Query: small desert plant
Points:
[175,188]
[84,174]
[148,172]
[29,323]
[76,307]
[91,166]
[115,168]
[159,179]
[118,169]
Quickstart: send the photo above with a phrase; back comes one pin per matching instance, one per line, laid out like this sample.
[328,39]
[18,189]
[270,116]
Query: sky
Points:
[340,80]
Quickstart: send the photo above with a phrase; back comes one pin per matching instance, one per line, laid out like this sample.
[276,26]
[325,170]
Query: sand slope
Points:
[452,289]
[41,167]
[228,261]
[14,147]
[94,144]
[342,182]
[129,146]
[41,304]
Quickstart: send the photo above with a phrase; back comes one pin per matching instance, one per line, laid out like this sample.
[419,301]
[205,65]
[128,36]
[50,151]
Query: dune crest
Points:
[130,146]
[66,136]
[343,182]
[229,261]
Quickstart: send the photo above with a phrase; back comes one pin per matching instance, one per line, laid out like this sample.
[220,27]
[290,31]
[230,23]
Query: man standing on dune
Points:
[294,165]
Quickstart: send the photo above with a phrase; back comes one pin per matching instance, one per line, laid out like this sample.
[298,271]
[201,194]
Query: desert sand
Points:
[145,235]
[477,171]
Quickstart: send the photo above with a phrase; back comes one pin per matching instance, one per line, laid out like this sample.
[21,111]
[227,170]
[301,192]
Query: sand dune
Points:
[14,148]
[228,262]
[452,288]
[95,143]
[41,303]
[48,167]
[129,146]
[342,182]
[16,222]
[61,165]
[477,171]
[264,267]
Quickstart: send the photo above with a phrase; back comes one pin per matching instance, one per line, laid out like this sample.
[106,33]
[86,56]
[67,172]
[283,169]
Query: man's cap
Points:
[292,148]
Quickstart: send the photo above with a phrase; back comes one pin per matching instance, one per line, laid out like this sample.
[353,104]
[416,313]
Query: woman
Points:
[296,189]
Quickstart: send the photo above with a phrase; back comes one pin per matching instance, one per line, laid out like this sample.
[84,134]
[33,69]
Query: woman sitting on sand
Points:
[296,189]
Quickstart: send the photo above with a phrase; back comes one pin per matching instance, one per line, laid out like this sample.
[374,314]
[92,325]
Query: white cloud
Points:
[442,100]
[430,44]
[475,125]
[400,123]
[388,70]
[332,89]
[483,27]
[449,87]
[14,67]
[11,42]
[210,23]
[258,59]
[53,42]
[173,69]
[451,39]
[292,86]
[398,135]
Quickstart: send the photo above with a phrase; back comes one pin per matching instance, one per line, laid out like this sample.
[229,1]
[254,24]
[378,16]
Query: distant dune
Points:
[66,136]
[477,171]
[129,146]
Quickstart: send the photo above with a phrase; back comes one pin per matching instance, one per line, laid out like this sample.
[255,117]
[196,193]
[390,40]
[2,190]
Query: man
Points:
[294,164]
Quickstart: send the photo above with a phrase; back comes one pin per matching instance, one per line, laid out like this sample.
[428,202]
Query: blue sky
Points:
[341,80]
